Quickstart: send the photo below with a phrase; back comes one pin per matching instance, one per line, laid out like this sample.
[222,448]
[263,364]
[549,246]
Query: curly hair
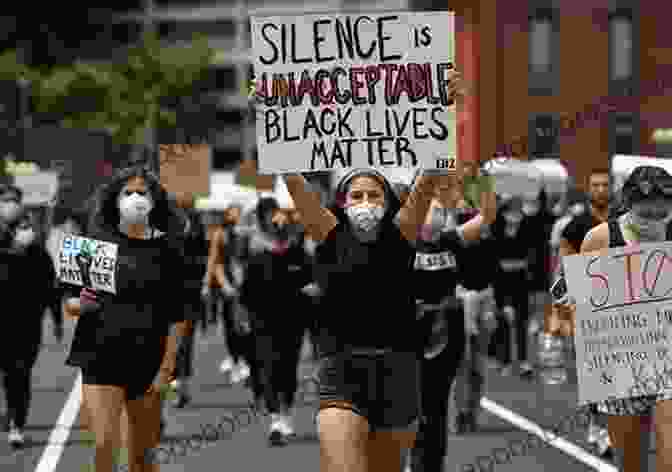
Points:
[164,215]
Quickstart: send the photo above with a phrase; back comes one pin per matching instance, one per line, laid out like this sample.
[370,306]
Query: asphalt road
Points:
[247,450]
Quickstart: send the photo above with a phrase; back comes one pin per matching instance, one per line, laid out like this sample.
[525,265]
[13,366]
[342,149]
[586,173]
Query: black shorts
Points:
[134,386]
[383,388]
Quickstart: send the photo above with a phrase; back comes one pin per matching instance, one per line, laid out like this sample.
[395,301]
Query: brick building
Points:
[542,65]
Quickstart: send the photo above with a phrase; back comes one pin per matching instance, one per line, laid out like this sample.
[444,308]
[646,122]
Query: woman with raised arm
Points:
[368,374]
[647,196]
[440,252]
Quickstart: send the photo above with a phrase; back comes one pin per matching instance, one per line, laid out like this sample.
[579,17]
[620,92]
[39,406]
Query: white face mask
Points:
[24,237]
[135,208]
[531,208]
[365,217]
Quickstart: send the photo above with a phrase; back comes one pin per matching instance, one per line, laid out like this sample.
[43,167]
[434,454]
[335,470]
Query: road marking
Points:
[59,435]
[547,436]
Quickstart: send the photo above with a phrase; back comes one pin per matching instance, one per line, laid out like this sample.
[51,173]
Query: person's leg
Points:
[388,449]
[626,437]
[429,451]
[344,437]
[184,366]
[290,381]
[105,403]
[521,304]
[663,425]
[144,414]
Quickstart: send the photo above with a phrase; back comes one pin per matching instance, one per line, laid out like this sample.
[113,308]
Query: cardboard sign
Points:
[38,189]
[185,169]
[623,319]
[87,263]
[354,90]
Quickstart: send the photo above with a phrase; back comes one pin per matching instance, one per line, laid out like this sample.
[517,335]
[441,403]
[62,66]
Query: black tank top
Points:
[436,267]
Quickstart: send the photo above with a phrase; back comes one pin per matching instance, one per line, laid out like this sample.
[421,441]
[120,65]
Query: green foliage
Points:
[121,98]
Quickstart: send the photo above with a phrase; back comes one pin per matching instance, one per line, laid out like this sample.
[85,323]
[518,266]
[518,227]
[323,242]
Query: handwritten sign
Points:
[87,263]
[354,90]
[623,318]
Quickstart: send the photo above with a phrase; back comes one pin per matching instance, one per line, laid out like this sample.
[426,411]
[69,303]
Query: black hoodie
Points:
[368,298]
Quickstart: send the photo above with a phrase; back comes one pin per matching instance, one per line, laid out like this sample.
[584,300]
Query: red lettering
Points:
[600,277]
[356,83]
[651,292]
[628,271]
[402,85]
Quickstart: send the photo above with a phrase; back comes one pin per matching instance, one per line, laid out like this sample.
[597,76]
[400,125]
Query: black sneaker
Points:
[276,436]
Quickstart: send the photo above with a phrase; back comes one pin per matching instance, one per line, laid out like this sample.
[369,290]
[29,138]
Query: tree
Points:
[125,98]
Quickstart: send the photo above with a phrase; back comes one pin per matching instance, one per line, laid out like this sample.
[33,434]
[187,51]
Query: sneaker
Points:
[593,434]
[526,370]
[240,372]
[226,366]
[15,436]
[276,435]
[287,425]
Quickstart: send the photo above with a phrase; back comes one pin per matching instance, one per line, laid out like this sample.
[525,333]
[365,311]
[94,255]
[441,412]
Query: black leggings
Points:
[436,379]
[236,343]
[278,353]
[512,288]
[17,383]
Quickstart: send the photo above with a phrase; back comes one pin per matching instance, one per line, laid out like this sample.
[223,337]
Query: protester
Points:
[121,341]
[570,243]
[647,200]
[476,290]
[438,258]
[278,268]
[196,254]
[27,276]
[369,399]
[515,239]
[225,271]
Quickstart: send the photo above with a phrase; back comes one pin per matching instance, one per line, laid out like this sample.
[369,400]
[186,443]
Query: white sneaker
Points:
[276,434]
[593,433]
[226,366]
[287,424]
[15,436]
[240,372]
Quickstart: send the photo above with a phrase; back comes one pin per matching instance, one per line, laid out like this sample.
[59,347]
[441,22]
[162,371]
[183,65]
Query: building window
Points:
[623,133]
[544,51]
[623,51]
[226,158]
[544,136]
[620,36]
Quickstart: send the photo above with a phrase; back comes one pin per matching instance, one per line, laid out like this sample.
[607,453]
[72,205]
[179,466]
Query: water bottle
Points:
[551,359]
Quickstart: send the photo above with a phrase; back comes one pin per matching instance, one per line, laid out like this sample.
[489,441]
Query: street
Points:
[513,408]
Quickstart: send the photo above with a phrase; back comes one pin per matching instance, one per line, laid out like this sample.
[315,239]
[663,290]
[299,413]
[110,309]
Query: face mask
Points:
[442,220]
[365,217]
[135,208]
[9,210]
[24,237]
[513,217]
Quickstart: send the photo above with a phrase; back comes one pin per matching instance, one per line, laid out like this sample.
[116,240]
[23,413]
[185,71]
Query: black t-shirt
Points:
[150,296]
[436,267]
[368,299]
[478,264]
[578,228]
[274,276]
[27,281]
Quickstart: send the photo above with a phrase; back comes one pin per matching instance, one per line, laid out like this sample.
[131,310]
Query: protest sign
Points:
[354,90]
[185,169]
[623,319]
[87,263]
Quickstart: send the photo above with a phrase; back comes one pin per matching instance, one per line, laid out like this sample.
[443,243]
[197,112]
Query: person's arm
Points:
[318,220]
[471,230]
[411,216]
